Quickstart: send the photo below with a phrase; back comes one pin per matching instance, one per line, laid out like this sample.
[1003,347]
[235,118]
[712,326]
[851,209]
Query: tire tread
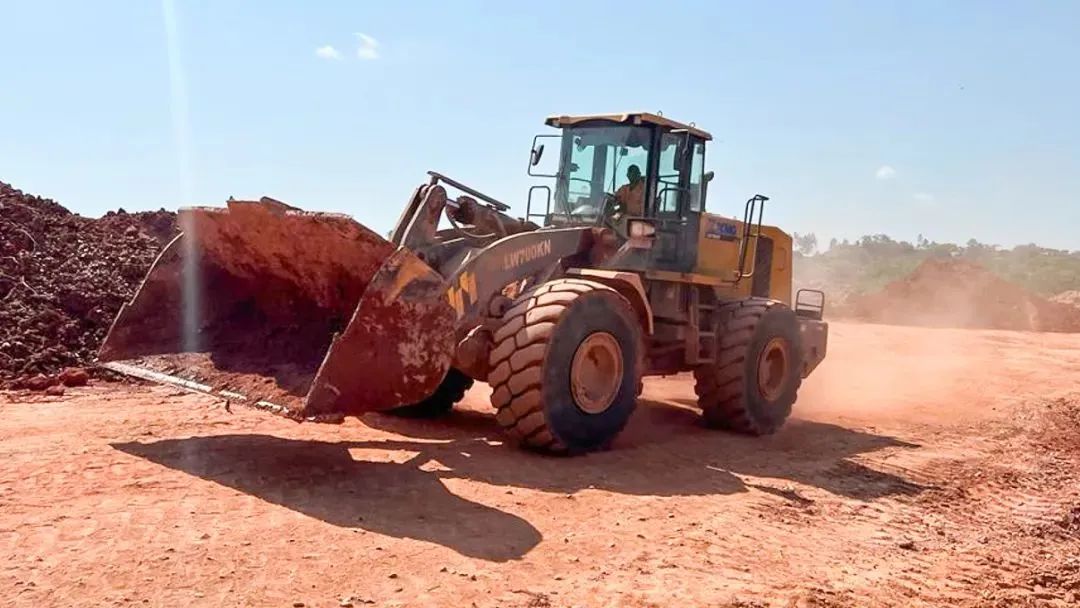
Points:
[721,386]
[521,344]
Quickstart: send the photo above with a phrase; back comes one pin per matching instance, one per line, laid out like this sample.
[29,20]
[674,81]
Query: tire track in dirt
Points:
[972,498]
[943,510]
[1009,496]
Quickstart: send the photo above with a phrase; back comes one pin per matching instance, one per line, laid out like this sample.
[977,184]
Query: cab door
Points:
[678,199]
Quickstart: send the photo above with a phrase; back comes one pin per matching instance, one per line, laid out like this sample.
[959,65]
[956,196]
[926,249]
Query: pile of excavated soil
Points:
[1072,298]
[63,278]
[956,293]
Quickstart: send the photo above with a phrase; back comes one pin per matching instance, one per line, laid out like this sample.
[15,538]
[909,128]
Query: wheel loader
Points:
[562,311]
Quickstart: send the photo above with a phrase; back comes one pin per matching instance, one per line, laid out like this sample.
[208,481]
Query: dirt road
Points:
[923,467]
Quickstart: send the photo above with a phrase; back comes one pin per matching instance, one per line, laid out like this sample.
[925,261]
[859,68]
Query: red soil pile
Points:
[1072,298]
[63,278]
[954,293]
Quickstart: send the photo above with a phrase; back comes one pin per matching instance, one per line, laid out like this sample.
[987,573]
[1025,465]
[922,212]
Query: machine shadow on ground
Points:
[663,452]
[322,480]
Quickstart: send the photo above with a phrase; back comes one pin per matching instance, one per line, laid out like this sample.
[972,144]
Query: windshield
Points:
[597,160]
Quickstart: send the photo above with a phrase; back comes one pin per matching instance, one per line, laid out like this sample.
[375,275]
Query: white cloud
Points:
[328,52]
[885,172]
[923,197]
[369,47]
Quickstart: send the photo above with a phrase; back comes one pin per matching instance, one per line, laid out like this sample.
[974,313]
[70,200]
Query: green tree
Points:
[805,244]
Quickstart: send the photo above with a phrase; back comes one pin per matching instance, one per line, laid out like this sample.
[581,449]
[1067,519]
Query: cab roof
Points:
[633,118]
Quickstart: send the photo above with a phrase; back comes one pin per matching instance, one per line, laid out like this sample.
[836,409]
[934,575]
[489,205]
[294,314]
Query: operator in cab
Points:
[631,196]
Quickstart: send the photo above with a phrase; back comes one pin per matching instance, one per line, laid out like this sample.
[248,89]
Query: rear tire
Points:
[754,381]
[452,390]
[566,366]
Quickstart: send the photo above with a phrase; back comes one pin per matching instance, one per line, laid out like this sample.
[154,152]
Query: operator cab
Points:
[597,183]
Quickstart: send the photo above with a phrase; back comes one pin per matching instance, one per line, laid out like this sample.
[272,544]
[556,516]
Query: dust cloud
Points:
[909,347]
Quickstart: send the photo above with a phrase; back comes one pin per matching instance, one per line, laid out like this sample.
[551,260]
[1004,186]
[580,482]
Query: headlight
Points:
[641,229]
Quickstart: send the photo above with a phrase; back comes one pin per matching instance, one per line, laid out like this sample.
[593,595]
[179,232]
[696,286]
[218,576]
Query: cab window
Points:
[697,177]
[596,162]
[667,176]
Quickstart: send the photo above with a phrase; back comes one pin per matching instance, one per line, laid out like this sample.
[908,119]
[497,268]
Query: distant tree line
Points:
[873,261]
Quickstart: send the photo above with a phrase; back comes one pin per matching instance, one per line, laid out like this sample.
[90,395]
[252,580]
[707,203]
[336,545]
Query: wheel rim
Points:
[773,366]
[596,372]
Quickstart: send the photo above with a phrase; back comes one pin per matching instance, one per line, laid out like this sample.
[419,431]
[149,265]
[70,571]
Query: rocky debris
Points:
[39,382]
[945,292]
[1064,576]
[63,278]
[1070,522]
[74,376]
[51,384]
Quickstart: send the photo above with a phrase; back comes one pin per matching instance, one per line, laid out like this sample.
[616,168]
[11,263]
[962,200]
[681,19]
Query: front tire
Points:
[566,366]
[754,381]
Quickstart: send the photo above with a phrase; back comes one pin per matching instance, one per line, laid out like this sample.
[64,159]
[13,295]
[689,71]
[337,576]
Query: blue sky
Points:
[950,119]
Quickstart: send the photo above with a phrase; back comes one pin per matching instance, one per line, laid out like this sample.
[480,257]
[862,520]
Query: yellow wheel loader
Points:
[615,272]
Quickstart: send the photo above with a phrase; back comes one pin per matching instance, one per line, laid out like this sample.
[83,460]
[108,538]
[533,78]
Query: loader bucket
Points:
[309,315]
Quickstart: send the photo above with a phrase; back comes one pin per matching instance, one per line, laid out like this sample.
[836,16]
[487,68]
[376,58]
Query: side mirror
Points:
[537,152]
[535,155]
[705,179]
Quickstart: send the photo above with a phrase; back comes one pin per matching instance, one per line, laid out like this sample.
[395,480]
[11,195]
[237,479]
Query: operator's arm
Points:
[621,196]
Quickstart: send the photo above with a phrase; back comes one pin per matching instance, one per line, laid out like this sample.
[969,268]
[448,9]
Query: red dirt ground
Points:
[923,467]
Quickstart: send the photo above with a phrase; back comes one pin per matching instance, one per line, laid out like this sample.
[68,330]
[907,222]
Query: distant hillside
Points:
[872,262]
